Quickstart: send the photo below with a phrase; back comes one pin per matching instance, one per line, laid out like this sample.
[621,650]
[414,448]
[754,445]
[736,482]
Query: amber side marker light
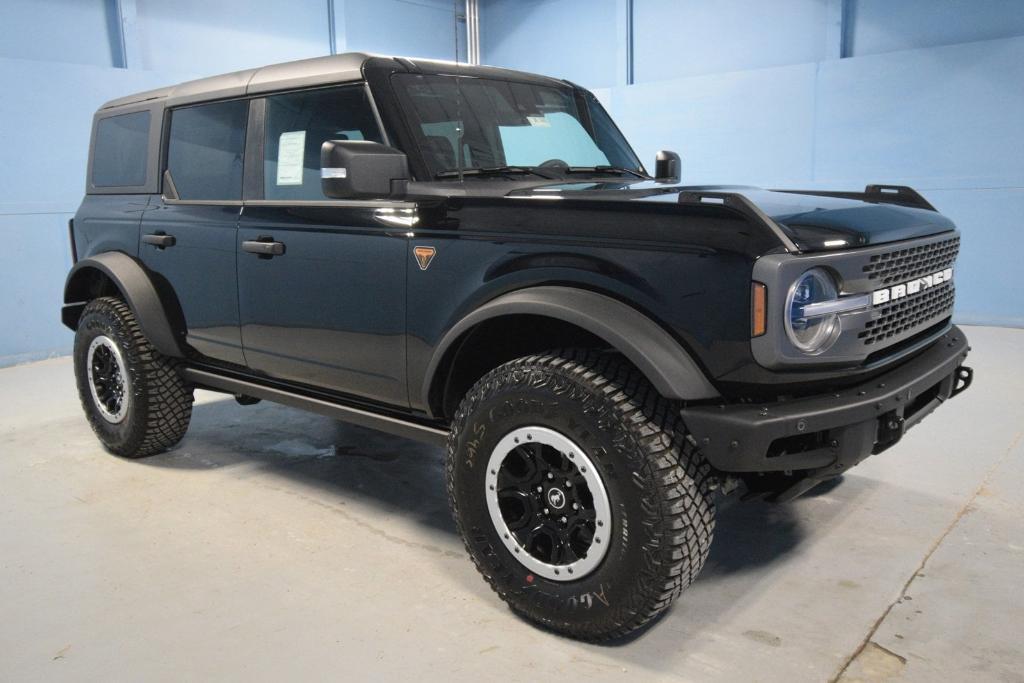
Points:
[758,316]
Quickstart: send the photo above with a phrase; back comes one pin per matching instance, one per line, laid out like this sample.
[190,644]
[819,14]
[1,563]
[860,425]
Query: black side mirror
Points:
[667,167]
[360,169]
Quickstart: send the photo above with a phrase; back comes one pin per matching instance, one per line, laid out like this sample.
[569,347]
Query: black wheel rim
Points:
[548,503]
[107,379]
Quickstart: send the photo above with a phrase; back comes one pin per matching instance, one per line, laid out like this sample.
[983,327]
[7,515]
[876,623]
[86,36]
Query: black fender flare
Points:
[661,359]
[136,287]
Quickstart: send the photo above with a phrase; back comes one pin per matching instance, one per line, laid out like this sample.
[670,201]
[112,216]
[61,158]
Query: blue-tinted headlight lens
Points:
[811,333]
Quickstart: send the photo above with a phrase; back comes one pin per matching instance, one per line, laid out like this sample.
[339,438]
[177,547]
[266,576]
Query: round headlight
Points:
[812,331]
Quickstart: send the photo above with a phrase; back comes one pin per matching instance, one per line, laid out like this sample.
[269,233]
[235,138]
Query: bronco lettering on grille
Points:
[887,294]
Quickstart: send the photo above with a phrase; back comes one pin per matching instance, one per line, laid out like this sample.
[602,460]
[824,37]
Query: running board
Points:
[356,416]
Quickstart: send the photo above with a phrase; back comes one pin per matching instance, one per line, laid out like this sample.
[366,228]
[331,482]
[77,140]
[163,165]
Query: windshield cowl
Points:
[572,173]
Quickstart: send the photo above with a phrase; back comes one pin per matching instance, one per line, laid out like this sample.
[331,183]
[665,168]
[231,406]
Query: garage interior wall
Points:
[812,93]
[61,59]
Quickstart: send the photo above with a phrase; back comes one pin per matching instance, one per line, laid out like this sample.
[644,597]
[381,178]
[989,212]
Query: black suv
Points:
[475,257]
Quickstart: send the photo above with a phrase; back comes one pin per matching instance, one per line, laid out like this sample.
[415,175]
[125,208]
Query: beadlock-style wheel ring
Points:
[548,504]
[108,379]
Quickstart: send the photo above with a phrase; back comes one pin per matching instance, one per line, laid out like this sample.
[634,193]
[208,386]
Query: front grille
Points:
[872,334]
[912,262]
[906,314]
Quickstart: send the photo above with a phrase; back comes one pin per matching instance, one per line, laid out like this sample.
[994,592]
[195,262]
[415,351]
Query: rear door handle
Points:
[264,247]
[159,240]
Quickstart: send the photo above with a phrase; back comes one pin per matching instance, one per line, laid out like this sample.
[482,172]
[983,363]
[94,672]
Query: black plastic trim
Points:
[138,290]
[71,239]
[339,411]
[661,359]
[878,194]
[738,437]
[740,204]
[252,170]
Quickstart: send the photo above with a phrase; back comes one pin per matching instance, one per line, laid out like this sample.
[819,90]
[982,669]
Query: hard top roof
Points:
[341,68]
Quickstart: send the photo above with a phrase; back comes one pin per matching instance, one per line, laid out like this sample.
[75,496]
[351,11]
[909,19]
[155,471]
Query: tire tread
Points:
[681,513]
[160,393]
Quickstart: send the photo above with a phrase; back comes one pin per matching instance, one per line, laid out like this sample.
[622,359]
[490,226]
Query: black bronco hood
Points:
[814,223]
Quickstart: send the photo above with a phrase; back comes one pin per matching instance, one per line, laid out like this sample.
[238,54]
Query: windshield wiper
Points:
[494,170]
[607,169]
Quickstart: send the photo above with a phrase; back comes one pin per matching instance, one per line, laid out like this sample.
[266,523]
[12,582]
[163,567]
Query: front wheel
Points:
[576,493]
[136,401]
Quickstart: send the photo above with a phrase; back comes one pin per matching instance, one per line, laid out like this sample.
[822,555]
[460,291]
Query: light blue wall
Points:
[935,108]
[878,26]
[675,39]
[412,28]
[58,30]
[58,63]
[577,38]
[209,37]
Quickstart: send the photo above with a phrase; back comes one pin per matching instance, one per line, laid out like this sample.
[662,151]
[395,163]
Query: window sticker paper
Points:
[291,149]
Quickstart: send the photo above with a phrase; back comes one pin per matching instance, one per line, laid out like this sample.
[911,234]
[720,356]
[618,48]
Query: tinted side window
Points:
[298,124]
[205,150]
[119,152]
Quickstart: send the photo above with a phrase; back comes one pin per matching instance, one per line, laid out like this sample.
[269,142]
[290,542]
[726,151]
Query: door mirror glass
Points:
[360,169]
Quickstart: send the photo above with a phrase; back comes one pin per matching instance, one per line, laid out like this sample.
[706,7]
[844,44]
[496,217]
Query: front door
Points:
[321,283]
[190,240]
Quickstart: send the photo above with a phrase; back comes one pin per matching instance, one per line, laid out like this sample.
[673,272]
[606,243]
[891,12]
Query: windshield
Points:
[489,125]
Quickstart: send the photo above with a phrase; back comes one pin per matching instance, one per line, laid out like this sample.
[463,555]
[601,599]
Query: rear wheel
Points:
[576,493]
[134,398]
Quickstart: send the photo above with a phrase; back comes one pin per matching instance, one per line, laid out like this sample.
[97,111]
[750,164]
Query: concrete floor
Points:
[273,543]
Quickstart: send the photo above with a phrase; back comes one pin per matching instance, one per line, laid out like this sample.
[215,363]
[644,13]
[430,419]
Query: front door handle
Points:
[263,247]
[159,240]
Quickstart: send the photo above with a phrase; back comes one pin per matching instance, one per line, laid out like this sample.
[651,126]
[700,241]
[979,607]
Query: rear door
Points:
[190,240]
[321,282]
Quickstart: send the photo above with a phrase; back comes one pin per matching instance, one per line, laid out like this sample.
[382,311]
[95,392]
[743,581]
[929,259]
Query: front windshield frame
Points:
[604,149]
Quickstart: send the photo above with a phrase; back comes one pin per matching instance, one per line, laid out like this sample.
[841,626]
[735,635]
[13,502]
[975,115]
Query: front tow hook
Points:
[964,376]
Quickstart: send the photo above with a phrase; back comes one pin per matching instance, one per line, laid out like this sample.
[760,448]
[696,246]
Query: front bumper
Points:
[827,434]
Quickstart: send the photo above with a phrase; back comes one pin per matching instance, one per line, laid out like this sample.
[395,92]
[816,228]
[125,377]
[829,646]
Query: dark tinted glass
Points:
[484,123]
[205,150]
[608,136]
[297,126]
[119,153]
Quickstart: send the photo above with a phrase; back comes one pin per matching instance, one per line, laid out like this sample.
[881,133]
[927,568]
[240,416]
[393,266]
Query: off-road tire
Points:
[160,405]
[657,483]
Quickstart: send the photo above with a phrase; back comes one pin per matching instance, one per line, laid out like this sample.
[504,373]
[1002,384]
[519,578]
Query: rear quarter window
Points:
[119,151]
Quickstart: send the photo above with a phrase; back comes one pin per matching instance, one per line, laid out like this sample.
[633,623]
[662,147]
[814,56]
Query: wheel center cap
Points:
[556,498]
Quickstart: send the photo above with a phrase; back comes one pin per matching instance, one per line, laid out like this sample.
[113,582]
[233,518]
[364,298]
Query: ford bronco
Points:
[475,257]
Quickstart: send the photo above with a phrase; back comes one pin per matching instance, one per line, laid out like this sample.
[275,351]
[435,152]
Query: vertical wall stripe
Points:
[472,31]
[331,37]
[128,40]
[129,26]
[629,42]
[846,49]
[835,27]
